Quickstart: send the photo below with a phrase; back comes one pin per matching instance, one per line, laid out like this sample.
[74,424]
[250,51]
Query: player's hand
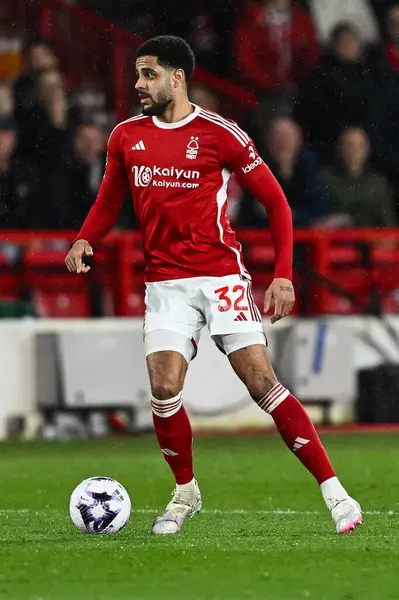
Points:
[73,259]
[280,295]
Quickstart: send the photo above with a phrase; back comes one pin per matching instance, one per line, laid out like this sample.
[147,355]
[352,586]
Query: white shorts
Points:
[185,306]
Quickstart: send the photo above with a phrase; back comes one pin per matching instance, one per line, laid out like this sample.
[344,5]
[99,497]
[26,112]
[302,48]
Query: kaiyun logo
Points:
[143,175]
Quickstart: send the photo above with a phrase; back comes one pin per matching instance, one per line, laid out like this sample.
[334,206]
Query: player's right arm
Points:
[105,210]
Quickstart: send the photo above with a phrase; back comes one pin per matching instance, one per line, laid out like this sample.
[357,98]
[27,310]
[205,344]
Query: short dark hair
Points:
[341,28]
[37,41]
[172,52]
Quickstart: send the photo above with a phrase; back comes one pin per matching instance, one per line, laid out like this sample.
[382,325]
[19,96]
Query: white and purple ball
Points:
[100,505]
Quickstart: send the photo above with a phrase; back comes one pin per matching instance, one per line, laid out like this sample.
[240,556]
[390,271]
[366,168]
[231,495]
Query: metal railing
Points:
[345,272]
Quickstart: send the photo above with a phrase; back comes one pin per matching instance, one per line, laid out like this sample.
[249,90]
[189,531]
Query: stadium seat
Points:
[259,253]
[54,291]
[61,305]
[344,255]
[11,282]
[354,281]
[135,303]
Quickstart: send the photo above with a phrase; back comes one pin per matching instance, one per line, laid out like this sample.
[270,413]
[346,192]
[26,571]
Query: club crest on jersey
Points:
[192,148]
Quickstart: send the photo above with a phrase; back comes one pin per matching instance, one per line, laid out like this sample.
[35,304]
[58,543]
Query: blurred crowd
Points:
[326,75]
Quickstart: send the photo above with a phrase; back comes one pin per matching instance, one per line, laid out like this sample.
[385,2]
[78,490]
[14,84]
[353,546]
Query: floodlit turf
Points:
[245,544]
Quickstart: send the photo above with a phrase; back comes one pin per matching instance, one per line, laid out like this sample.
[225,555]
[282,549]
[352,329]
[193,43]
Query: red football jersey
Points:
[178,174]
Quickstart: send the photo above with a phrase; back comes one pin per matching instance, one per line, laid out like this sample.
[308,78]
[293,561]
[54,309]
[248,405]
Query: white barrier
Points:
[214,396]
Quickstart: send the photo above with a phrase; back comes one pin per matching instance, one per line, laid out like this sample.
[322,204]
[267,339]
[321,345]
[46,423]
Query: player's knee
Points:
[165,388]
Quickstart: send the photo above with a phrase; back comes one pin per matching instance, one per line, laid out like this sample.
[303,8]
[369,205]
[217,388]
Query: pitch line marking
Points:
[205,511]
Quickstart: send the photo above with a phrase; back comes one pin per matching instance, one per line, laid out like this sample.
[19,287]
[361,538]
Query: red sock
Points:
[298,431]
[174,434]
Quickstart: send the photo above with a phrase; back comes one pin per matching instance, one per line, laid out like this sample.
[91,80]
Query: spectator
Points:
[6,100]
[38,57]
[203,37]
[205,97]
[90,99]
[17,181]
[380,8]
[327,14]
[362,197]
[383,128]
[84,172]
[338,92]
[275,44]
[211,32]
[392,45]
[296,170]
[69,189]
[48,126]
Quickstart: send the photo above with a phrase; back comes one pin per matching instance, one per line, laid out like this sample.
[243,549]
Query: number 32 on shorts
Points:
[231,298]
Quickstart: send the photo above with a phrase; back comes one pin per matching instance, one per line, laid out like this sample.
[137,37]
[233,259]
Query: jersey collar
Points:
[178,124]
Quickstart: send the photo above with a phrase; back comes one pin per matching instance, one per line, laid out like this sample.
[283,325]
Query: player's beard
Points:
[158,107]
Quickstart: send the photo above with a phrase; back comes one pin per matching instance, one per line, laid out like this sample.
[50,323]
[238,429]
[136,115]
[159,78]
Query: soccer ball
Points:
[100,505]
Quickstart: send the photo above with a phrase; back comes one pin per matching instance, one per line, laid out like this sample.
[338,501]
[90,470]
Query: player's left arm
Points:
[105,210]
[256,177]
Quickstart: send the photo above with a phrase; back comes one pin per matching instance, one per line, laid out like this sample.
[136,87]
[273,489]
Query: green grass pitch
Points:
[264,531]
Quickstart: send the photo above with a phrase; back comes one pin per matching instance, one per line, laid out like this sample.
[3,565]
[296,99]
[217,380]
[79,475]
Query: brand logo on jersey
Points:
[192,148]
[253,165]
[144,175]
[251,151]
[139,146]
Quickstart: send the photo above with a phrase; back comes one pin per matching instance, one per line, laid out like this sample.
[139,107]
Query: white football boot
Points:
[346,515]
[184,504]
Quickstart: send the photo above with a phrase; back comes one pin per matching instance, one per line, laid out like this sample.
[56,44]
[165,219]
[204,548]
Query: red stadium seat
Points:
[135,302]
[385,254]
[354,281]
[344,255]
[390,303]
[54,291]
[11,282]
[61,305]
[259,253]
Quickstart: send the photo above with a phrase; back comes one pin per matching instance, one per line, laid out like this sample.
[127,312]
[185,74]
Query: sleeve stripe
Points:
[231,124]
[234,130]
